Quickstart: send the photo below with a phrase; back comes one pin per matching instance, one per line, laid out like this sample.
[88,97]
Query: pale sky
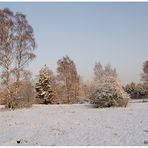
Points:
[115,33]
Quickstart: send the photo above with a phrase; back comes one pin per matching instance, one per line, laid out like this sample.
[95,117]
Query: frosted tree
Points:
[109,93]
[145,77]
[43,88]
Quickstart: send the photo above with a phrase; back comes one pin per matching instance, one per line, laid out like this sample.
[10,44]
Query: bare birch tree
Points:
[68,77]
[24,46]
[6,48]
[16,50]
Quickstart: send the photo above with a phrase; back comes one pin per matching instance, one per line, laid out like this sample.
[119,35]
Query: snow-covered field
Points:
[75,125]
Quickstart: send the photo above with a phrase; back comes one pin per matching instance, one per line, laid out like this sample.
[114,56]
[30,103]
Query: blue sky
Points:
[115,33]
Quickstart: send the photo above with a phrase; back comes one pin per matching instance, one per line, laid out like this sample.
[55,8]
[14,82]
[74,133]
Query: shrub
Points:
[23,98]
[109,93]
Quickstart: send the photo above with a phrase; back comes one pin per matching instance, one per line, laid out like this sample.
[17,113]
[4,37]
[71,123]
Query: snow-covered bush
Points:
[43,87]
[109,93]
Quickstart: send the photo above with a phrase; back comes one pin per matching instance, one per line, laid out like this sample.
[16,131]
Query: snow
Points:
[75,125]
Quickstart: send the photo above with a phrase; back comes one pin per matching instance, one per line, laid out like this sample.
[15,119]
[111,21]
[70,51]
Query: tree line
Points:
[18,89]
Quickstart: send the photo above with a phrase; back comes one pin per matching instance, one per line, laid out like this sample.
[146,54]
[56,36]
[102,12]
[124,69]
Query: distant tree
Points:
[136,91]
[43,88]
[110,71]
[75,87]
[69,79]
[98,71]
[145,73]
[101,72]
[16,50]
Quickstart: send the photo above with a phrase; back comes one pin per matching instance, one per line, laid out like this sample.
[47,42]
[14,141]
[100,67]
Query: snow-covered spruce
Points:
[43,87]
[109,93]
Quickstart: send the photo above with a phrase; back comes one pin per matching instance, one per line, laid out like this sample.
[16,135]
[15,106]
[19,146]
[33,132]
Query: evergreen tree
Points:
[43,88]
